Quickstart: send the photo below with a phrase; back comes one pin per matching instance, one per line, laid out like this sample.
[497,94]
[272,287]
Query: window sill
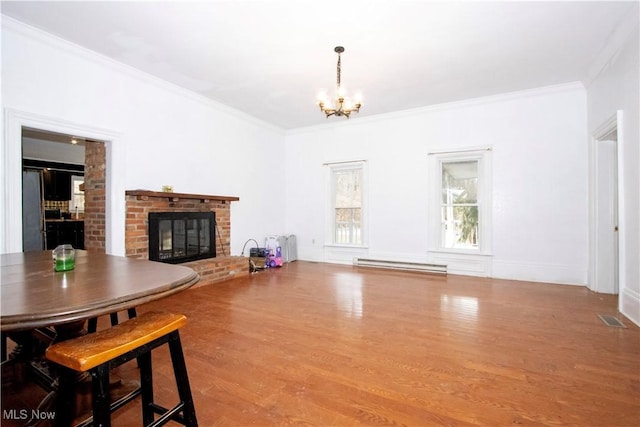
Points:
[336,245]
[460,252]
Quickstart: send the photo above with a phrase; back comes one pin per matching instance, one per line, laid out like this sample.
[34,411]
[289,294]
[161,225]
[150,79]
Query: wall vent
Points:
[401,265]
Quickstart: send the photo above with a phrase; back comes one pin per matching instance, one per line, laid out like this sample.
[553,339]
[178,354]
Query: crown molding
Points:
[59,43]
[455,105]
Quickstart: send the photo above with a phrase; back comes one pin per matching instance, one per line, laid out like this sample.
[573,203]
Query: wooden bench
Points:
[102,351]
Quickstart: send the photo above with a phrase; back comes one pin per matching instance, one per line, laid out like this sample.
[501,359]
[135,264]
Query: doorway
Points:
[604,246]
[104,164]
[52,190]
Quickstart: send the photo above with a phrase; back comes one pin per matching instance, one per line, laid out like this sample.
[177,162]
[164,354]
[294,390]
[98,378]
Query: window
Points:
[347,203]
[459,183]
[461,213]
[77,194]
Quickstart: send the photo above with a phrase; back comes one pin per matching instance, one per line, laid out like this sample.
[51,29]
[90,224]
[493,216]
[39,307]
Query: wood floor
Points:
[328,345]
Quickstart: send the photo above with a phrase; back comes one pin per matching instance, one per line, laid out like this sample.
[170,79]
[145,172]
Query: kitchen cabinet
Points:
[57,185]
[62,232]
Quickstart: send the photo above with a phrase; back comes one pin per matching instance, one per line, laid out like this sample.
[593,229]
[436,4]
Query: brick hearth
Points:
[140,202]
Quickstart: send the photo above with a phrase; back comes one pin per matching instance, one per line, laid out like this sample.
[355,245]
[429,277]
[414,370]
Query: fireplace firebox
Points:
[176,237]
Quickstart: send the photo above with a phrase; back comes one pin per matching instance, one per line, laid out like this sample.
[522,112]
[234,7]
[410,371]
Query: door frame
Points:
[11,176]
[614,123]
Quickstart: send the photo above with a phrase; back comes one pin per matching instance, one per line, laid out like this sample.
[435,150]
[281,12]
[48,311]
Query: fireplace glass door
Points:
[176,237]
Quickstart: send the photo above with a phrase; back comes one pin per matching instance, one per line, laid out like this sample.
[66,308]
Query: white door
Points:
[606,215]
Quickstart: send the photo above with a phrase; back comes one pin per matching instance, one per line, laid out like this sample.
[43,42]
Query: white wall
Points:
[538,137]
[540,222]
[163,134]
[616,87]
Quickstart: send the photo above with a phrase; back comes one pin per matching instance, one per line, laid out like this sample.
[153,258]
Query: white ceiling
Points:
[269,58]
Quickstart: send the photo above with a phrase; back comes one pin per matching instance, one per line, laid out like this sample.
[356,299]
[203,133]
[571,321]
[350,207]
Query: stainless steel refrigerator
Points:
[33,224]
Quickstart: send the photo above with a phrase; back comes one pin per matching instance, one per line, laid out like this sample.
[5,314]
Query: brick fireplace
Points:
[139,203]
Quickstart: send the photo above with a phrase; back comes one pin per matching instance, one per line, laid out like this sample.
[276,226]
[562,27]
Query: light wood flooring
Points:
[328,345]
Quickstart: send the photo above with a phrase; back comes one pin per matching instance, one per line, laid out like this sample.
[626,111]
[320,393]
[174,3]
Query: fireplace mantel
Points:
[178,196]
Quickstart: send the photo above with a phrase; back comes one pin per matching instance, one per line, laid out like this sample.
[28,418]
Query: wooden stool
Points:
[99,352]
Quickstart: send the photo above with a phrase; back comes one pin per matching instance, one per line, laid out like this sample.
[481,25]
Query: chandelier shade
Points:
[340,105]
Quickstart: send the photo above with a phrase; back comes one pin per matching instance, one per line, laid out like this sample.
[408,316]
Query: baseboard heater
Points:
[401,265]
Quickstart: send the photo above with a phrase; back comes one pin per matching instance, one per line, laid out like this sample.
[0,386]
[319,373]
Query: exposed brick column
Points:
[95,196]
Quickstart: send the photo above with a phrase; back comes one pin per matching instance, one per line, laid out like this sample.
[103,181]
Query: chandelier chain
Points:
[338,79]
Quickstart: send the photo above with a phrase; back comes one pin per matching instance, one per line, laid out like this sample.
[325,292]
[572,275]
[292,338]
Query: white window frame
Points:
[330,230]
[436,160]
[72,202]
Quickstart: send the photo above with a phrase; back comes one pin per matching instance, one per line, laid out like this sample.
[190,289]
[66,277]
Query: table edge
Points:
[19,323]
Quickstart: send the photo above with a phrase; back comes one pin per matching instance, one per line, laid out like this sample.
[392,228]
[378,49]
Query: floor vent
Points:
[612,321]
[401,265]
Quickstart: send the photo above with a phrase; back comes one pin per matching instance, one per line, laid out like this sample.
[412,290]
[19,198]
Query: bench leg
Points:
[114,319]
[92,325]
[66,397]
[101,400]
[146,388]
[182,379]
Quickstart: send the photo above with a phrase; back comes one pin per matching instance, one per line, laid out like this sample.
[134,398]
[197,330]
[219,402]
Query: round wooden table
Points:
[33,295]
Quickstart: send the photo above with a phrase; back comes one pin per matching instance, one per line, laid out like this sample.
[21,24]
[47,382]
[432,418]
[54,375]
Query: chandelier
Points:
[342,105]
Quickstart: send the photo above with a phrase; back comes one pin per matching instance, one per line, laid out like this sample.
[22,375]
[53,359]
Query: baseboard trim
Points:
[630,305]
